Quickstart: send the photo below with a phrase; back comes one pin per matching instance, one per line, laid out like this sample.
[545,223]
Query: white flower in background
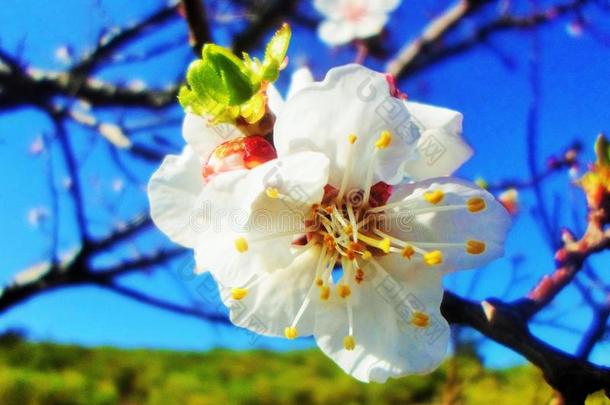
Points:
[37,146]
[346,20]
[37,215]
[272,236]
[174,188]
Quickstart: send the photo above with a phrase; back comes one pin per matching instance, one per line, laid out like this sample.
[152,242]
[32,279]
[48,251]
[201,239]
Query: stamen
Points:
[420,319]
[434,197]
[292,329]
[348,166]
[291,332]
[359,276]
[475,247]
[349,343]
[383,244]
[475,204]
[239,293]
[407,252]
[241,244]
[324,292]
[272,192]
[352,221]
[384,140]
[433,258]
[343,290]
[366,255]
[321,263]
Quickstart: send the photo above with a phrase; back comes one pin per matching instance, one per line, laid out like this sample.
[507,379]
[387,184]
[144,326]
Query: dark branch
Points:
[428,48]
[573,378]
[199,31]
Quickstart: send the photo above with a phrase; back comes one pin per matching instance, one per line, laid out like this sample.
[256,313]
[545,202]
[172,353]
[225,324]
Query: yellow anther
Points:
[475,247]
[343,290]
[434,197]
[241,244]
[324,292]
[349,343]
[272,192]
[239,293]
[381,244]
[291,332]
[352,139]
[384,245]
[434,257]
[384,140]
[366,255]
[319,282]
[420,319]
[348,229]
[407,252]
[475,204]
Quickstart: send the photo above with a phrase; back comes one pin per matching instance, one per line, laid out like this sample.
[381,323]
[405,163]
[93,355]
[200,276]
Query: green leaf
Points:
[206,82]
[278,45]
[275,53]
[234,74]
[254,109]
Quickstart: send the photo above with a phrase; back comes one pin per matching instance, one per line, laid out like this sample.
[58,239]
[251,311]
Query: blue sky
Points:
[493,98]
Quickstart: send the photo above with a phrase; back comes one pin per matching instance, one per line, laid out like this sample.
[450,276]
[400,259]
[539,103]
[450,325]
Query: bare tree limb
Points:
[573,378]
[428,48]
[199,31]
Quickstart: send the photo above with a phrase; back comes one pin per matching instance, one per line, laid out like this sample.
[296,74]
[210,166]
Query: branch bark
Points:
[199,31]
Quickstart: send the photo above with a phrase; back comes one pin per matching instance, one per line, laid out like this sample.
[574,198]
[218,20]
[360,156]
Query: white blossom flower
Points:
[346,20]
[273,236]
[173,189]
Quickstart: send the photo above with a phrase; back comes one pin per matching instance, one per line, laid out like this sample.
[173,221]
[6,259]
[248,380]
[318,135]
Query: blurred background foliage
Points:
[49,373]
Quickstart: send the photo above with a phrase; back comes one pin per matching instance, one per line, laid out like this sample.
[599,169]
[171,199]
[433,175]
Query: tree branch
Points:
[427,49]
[199,32]
[573,378]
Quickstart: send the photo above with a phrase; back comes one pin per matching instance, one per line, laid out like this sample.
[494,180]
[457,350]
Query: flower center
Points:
[352,230]
[346,227]
[353,11]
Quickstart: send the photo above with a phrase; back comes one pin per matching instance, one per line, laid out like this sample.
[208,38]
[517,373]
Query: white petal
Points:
[336,32]
[330,8]
[441,147]
[458,226]
[274,99]
[271,304]
[371,25]
[235,205]
[387,344]
[300,79]
[351,100]
[204,137]
[383,5]
[172,192]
